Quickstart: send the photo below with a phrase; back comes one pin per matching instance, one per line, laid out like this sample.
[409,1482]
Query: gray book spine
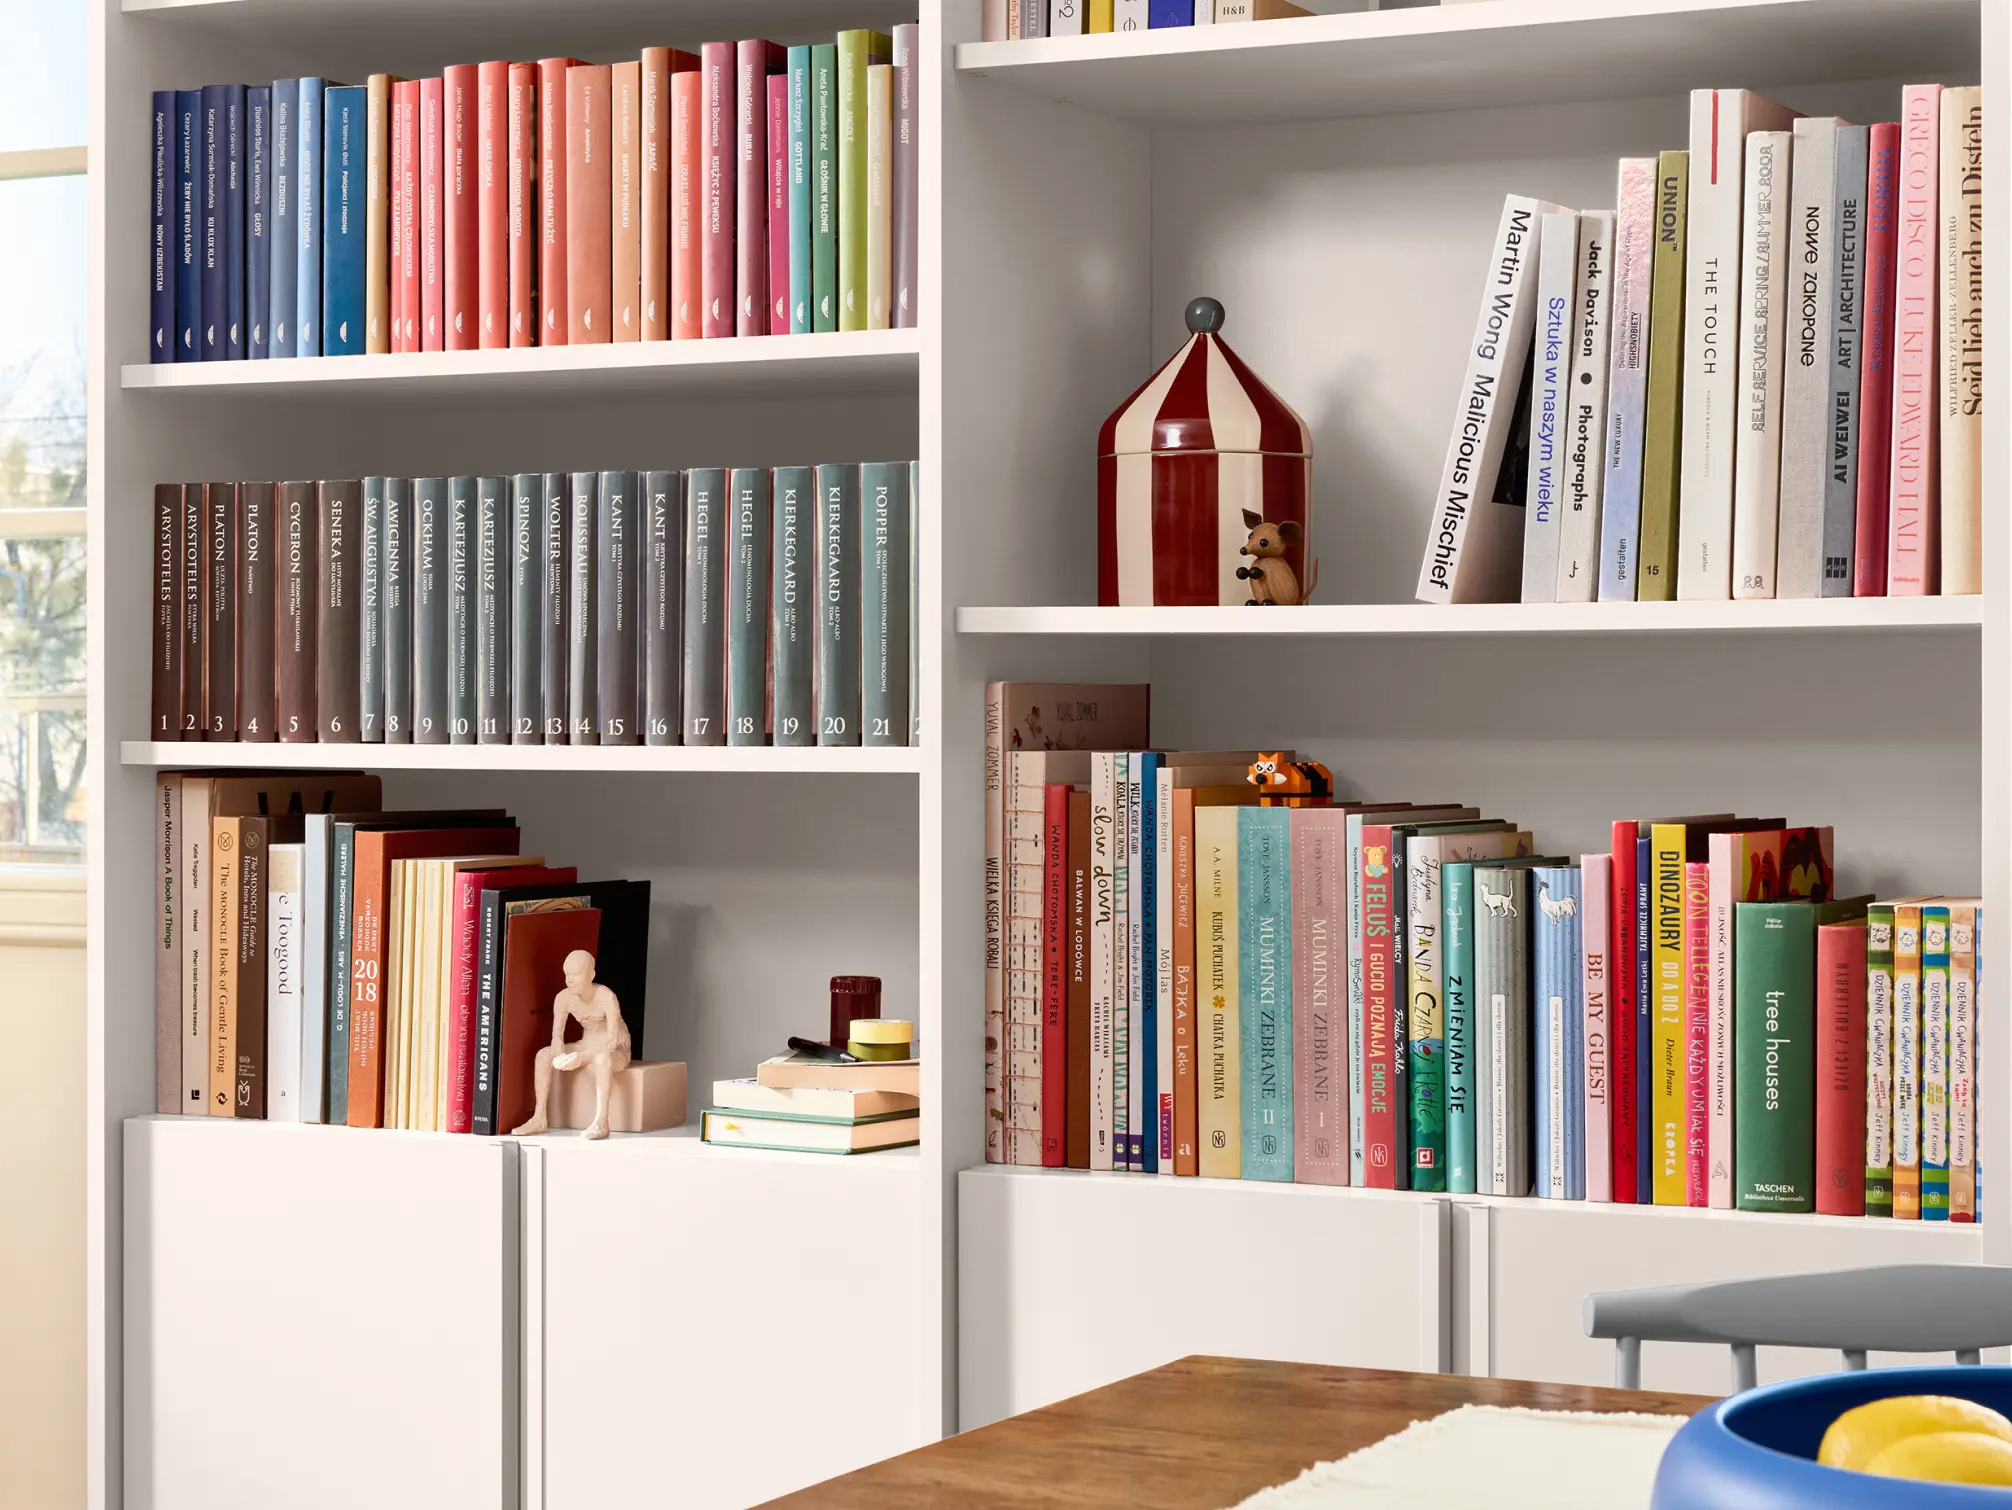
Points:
[837,673]
[1840,493]
[1808,244]
[883,603]
[583,723]
[370,655]
[460,611]
[397,601]
[747,607]
[527,602]
[491,589]
[705,606]
[915,605]
[429,610]
[663,606]
[792,624]
[552,616]
[1501,1002]
[617,643]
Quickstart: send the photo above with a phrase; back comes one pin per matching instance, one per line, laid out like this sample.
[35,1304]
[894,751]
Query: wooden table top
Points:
[1201,1433]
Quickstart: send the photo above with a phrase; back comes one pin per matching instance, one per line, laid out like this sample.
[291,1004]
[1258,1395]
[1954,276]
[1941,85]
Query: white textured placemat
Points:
[1488,1455]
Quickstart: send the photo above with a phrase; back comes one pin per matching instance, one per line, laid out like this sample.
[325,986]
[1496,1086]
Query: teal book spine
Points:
[1264,907]
[800,319]
[1424,1107]
[1457,1003]
[747,608]
[343,237]
[824,187]
[792,619]
[341,926]
[837,674]
[1934,1063]
[883,602]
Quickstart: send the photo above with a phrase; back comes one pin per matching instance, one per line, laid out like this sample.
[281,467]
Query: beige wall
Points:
[41,1191]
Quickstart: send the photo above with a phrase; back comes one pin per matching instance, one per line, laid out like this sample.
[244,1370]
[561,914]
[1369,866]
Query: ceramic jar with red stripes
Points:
[1179,465]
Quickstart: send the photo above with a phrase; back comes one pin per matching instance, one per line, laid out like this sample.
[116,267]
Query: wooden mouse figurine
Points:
[1271,579]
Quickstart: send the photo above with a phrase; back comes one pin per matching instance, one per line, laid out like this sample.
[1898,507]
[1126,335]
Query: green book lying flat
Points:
[781,1130]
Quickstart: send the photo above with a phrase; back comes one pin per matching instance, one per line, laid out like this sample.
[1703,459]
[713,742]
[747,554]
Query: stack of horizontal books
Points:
[804,1104]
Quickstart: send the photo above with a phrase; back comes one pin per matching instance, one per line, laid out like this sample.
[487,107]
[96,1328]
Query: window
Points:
[42,470]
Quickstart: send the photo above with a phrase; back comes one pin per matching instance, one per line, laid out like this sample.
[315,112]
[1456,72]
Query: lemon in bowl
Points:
[1860,1435]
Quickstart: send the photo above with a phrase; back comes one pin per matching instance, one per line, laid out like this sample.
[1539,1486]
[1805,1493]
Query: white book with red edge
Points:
[1764,252]
[1596,950]
[1913,549]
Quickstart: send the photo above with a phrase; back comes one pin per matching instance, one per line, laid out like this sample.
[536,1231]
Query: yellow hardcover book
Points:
[1101,17]
[1907,1059]
[879,194]
[1220,1093]
[1663,417]
[1666,1067]
[223,925]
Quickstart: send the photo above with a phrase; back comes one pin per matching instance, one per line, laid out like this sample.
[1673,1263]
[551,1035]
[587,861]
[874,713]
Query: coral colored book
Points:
[653,213]
[1054,978]
[590,187]
[461,314]
[522,186]
[1913,544]
[687,273]
[552,303]
[1623,987]
[1076,1009]
[718,133]
[406,107]
[1697,1031]
[1840,1068]
[755,61]
[432,235]
[395,240]
[1875,402]
[466,943]
[492,202]
[625,86]
[778,204]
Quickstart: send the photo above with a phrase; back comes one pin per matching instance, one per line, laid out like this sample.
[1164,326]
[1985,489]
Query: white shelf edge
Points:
[1420,619]
[608,759]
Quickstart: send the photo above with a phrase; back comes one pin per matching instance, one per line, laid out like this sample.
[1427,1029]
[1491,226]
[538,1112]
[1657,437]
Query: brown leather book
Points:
[223,977]
[377,212]
[625,249]
[369,934]
[256,837]
[220,610]
[653,214]
[1076,1026]
[258,618]
[338,631]
[295,603]
[165,719]
[590,187]
[189,612]
[535,946]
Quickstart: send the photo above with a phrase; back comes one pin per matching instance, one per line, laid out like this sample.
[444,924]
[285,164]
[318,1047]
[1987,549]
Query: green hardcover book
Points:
[1264,921]
[1879,1059]
[1457,1003]
[824,187]
[1935,1062]
[1774,1050]
[884,551]
[836,676]
[792,612]
[747,606]
[1663,419]
[856,49]
[799,171]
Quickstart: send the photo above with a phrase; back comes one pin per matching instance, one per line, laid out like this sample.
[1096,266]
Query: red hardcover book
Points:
[778,204]
[523,201]
[755,61]
[1697,1030]
[432,275]
[718,131]
[1383,1110]
[1622,988]
[625,251]
[405,207]
[492,202]
[1076,1010]
[552,306]
[166,719]
[687,276]
[189,616]
[1055,978]
[653,209]
[1913,537]
[1875,390]
[459,191]
[395,249]
[589,203]
[466,941]
[1840,1068]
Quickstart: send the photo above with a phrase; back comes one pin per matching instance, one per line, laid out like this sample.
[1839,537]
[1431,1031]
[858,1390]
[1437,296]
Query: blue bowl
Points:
[1757,1451]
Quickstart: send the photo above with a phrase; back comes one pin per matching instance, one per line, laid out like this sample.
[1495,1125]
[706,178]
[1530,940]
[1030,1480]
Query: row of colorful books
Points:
[1011,20]
[1205,965]
[318,959]
[1761,376]
[745,189]
[715,606]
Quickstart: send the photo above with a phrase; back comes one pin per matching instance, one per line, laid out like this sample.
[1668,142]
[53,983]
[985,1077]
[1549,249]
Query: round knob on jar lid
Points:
[1205,316]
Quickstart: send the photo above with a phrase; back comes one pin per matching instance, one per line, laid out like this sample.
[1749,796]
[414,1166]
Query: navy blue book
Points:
[1170,13]
[234,221]
[343,238]
[188,225]
[258,219]
[161,233]
[1644,1118]
[282,224]
[308,128]
[213,335]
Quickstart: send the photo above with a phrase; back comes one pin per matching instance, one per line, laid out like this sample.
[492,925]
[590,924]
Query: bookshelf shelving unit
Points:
[1334,182]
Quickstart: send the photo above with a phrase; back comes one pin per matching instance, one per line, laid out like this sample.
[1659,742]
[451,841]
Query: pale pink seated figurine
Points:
[603,1044]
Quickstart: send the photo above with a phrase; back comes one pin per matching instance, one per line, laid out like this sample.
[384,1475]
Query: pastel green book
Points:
[1264,917]
[1935,1062]
[856,49]
[824,186]
[799,171]
[1457,1000]
[1663,417]
[1879,1059]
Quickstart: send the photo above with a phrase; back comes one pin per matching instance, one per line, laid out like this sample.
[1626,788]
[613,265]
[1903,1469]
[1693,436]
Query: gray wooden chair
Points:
[1900,1308]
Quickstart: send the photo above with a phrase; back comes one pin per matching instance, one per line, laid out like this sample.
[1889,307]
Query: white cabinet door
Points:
[1068,1281]
[318,1318]
[718,1326]
[1529,1266]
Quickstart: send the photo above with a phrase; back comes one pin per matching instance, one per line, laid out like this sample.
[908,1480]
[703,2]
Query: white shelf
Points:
[839,362]
[749,760]
[1503,52]
[1407,620]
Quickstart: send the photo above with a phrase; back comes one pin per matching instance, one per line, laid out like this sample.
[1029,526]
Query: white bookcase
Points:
[457,1307]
